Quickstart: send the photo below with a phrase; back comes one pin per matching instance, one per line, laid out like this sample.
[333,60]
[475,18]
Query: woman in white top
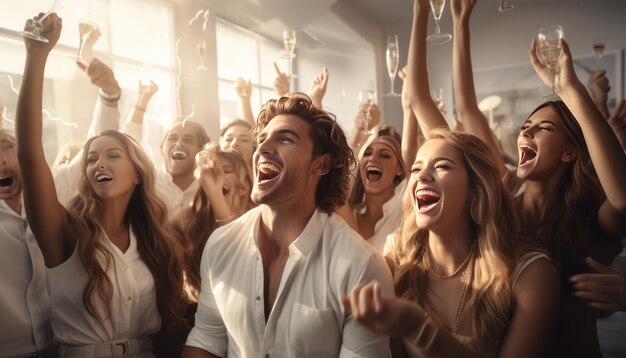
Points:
[374,207]
[114,273]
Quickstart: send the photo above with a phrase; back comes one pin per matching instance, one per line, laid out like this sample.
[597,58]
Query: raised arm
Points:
[47,217]
[135,120]
[318,87]
[416,82]
[244,91]
[281,82]
[474,122]
[412,137]
[106,114]
[606,153]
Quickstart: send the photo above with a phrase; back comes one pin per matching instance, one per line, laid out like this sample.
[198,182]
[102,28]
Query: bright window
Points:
[241,53]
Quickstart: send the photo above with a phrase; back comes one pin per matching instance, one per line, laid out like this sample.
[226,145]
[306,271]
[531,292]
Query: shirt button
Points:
[258,298]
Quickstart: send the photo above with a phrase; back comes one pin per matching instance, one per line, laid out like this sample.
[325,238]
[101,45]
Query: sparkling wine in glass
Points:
[549,50]
[87,22]
[438,38]
[35,33]
[505,5]
[366,100]
[289,41]
[599,43]
[393,55]
[201,49]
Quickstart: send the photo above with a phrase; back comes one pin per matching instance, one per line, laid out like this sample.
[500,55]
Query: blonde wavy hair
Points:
[495,225]
[146,215]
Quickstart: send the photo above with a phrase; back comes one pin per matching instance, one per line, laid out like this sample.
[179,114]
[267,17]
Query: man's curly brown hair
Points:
[328,138]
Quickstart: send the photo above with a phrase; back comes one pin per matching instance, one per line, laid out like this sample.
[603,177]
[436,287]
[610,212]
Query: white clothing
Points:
[173,197]
[134,311]
[24,301]
[308,319]
[391,220]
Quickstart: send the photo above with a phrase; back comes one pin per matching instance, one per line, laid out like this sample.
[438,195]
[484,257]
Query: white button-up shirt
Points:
[24,300]
[134,310]
[174,198]
[307,320]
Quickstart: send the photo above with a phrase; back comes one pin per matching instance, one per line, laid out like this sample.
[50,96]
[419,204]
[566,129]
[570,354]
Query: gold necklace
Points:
[444,277]
[459,308]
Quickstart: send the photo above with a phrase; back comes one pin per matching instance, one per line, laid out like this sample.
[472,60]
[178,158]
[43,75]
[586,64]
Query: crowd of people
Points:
[289,238]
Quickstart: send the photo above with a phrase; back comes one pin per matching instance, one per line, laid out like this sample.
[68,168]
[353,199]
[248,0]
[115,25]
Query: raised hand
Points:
[318,87]
[461,9]
[147,91]
[598,86]
[281,82]
[243,88]
[605,289]
[209,172]
[567,76]
[50,29]
[100,75]
[91,38]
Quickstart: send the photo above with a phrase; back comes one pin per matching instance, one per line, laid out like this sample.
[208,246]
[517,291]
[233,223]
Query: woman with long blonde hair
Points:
[114,273]
[374,207]
[460,289]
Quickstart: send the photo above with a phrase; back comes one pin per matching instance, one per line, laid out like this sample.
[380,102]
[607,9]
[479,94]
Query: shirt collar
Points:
[305,242]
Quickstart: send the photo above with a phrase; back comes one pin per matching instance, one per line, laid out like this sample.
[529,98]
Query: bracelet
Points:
[140,109]
[111,97]
[230,217]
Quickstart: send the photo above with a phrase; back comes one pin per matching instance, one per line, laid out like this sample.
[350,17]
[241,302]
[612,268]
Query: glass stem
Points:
[556,76]
[437,30]
[393,79]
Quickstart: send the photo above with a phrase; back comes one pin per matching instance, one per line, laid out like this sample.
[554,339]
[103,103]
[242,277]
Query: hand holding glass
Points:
[366,100]
[549,50]
[599,43]
[35,33]
[438,38]
[87,22]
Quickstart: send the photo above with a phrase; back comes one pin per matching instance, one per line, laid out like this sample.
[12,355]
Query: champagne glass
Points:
[549,50]
[201,49]
[392,62]
[505,5]
[438,37]
[87,22]
[599,43]
[35,33]
[289,41]
[366,99]
[438,98]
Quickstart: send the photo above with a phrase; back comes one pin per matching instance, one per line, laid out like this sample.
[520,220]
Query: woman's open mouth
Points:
[426,199]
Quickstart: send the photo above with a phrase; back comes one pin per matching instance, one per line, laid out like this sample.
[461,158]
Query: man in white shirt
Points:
[24,302]
[272,281]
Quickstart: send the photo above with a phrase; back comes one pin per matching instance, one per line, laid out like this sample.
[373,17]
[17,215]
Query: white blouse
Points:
[133,308]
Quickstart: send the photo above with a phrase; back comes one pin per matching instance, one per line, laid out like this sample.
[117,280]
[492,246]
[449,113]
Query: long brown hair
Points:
[495,227]
[198,222]
[573,214]
[146,215]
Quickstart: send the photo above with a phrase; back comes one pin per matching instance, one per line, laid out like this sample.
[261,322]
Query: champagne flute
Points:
[438,38]
[549,50]
[289,41]
[392,62]
[201,49]
[35,33]
[599,43]
[505,5]
[366,100]
[87,22]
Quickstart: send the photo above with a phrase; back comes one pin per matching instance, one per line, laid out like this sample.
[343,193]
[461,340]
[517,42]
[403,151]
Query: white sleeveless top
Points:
[134,311]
